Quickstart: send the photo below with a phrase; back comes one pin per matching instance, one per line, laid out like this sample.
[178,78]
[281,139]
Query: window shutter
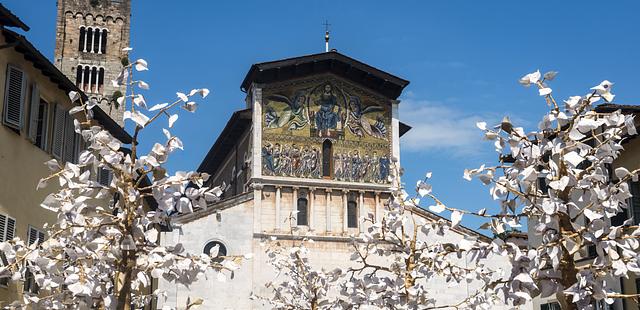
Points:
[58,131]
[33,235]
[634,201]
[33,111]
[104,176]
[44,134]
[3,226]
[14,97]
[69,138]
[77,143]
[7,228]
[11,228]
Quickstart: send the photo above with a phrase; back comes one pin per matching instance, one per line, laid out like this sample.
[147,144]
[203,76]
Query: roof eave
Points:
[333,62]
[43,64]
[11,19]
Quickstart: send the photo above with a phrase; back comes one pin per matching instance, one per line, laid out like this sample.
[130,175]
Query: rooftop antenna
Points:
[326,35]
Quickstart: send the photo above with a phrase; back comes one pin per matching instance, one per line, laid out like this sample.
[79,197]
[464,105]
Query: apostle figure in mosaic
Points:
[374,169]
[337,167]
[277,151]
[359,124]
[327,118]
[384,168]
[267,159]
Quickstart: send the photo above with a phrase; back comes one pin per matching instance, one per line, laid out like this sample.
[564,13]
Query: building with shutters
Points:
[35,128]
[316,135]
[90,36]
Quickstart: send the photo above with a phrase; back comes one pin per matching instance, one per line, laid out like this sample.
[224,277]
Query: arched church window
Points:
[303,215]
[327,156]
[103,48]
[352,214]
[79,76]
[86,78]
[81,39]
[94,80]
[101,80]
[222,250]
[96,41]
[89,40]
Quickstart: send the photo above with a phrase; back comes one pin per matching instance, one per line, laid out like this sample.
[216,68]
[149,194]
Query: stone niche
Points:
[324,127]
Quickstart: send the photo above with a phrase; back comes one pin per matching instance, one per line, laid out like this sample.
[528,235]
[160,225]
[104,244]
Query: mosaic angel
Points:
[359,124]
[293,116]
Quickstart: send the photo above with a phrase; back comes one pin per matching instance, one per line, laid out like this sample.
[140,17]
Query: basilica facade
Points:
[317,136]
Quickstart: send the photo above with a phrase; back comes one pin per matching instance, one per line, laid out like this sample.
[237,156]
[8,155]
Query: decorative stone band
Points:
[297,237]
[320,183]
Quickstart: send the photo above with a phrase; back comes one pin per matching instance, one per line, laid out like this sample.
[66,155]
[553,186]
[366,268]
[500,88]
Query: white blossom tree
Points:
[102,251]
[557,180]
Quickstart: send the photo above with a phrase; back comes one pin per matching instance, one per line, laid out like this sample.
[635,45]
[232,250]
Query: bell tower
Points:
[90,36]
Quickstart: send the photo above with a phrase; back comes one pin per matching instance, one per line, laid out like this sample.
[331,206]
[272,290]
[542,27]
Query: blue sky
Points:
[463,59]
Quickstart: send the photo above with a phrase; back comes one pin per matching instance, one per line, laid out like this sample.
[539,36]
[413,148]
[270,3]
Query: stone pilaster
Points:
[256,96]
[278,215]
[378,207]
[345,211]
[359,210]
[312,207]
[328,210]
[395,130]
[294,204]
[257,207]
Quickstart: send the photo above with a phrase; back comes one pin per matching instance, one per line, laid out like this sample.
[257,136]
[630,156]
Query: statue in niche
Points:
[360,125]
[327,118]
[294,116]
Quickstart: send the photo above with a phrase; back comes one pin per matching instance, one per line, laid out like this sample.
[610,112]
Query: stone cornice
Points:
[212,208]
[321,183]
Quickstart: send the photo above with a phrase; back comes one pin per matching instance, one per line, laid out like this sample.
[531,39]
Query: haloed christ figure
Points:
[327,119]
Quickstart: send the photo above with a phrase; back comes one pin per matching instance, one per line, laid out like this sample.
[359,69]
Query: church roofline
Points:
[460,228]
[334,62]
[40,62]
[7,18]
[612,107]
[239,122]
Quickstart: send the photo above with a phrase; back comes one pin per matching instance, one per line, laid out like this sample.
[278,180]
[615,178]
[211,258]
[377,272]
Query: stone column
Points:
[345,219]
[328,191]
[100,41]
[257,207]
[256,96]
[278,217]
[359,210]
[86,39]
[395,130]
[312,193]
[378,208]
[294,207]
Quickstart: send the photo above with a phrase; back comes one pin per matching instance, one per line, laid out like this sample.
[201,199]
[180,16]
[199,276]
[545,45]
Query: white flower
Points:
[141,65]
[531,78]
[604,90]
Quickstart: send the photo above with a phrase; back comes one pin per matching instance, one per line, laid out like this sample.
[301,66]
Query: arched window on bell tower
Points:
[327,156]
[81,40]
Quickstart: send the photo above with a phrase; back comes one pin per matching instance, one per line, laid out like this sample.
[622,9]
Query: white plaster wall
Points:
[235,229]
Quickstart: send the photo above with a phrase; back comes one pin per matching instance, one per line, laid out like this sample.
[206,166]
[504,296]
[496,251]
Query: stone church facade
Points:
[317,136]
[90,36]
